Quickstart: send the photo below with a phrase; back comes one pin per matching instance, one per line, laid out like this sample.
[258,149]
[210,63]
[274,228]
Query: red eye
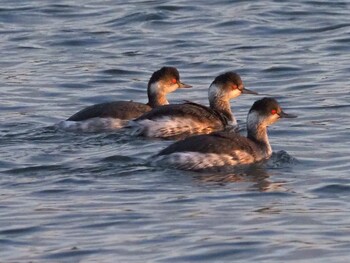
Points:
[174,81]
[273,112]
[234,87]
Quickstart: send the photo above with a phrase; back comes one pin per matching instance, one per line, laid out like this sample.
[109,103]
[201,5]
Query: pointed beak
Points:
[282,114]
[184,86]
[247,91]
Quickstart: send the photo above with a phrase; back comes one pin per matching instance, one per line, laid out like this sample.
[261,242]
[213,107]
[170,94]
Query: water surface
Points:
[70,197]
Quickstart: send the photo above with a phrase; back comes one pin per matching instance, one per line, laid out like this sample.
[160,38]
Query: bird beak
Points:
[247,91]
[184,86]
[282,114]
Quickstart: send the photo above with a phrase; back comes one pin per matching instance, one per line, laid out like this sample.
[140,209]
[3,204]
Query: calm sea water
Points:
[70,197]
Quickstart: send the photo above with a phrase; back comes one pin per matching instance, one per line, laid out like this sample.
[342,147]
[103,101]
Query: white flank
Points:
[168,127]
[92,125]
[199,161]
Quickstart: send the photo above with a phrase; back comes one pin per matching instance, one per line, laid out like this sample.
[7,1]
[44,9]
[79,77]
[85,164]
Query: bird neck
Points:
[257,132]
[223,106]
[156,96]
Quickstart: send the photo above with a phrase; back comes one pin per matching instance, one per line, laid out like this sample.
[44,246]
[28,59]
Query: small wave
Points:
[116,71]
[73,252]
[54,192]
[118,158]
[282,68]
[332,189]
[281,159]
[22,230]
[33,169]
[137,17]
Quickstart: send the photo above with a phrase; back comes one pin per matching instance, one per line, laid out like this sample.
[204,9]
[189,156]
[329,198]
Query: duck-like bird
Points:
[226,148]
[180,120]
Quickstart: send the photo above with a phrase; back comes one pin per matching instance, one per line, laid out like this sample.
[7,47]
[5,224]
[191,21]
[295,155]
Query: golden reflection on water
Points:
[257,175]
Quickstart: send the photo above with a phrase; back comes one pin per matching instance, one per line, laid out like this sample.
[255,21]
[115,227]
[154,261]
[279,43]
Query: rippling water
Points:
[69,197]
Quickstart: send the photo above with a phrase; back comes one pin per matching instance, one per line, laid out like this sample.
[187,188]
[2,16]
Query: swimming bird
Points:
[181,120]
[112,115]
[225,148]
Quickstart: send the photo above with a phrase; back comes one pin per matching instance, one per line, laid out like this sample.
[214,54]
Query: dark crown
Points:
[164,73]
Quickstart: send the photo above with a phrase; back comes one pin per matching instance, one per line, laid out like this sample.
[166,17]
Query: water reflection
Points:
[255,174]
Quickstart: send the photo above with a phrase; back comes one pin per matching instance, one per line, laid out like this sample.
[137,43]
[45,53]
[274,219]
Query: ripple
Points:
[76,42]
[332,190]
[119,72]
[20,231]
[118,158]
[16,9]
[74,253]
[33,169]
[74,85]
[220,251]
[93,197]
[282,68]
[48,192]
[136,18]
[281,159]
[77,181]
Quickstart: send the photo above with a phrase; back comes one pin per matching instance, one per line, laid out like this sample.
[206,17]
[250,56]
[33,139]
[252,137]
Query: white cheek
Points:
[254,119]
[235,93]
[271,119]
[161,87]
[171,88]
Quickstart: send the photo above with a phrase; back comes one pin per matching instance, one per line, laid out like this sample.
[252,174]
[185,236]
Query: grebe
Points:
[226,148]
[181,120]
[112,115]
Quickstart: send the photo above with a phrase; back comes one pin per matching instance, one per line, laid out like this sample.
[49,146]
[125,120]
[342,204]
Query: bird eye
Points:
[174,81]
[234,87]
[273,112]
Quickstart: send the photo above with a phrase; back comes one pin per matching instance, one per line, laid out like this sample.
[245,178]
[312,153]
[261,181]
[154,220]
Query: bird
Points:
[226,148]
[177,121]
[114,115]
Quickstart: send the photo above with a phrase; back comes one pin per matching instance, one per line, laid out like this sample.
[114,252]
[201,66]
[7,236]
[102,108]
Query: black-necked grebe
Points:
[226,148]
[112,115]
[181,120]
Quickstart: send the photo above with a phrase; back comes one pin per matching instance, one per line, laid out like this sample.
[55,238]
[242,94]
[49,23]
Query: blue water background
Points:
[72,197]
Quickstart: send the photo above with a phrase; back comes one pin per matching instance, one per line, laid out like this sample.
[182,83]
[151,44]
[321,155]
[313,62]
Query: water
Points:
[70,197]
